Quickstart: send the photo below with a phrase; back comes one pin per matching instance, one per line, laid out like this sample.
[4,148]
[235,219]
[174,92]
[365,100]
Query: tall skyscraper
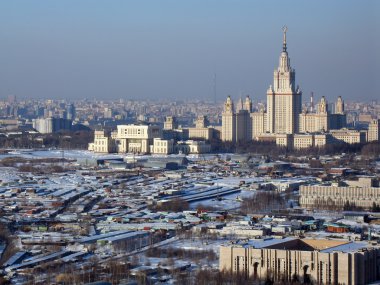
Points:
[284,99]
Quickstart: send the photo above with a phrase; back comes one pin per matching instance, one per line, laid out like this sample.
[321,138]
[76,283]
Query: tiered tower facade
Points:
[284,99]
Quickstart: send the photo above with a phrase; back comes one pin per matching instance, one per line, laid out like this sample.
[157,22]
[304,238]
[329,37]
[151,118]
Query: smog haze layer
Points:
[172,49]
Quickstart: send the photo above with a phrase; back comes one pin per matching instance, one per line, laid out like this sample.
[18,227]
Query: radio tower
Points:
[312,102]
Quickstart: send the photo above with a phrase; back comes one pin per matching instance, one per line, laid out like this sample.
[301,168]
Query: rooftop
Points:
[290,243]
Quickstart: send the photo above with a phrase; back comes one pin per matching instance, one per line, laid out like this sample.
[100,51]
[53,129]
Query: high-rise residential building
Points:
[284,98]
[243,126]
[170,123]
[51,125]
[70,112]
[374,130]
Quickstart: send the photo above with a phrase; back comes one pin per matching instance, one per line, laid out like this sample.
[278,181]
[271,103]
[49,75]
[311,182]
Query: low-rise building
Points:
[319,261]
[349,136]
[190,146]
[161,146]
[103,143]
[318,196]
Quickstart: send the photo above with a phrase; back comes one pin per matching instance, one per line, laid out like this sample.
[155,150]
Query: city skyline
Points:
[171,50]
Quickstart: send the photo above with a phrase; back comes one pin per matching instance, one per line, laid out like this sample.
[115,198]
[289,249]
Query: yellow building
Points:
[349,136]
[229,121]
[258,123]
[192,147]
[312,261]
[170,123]
[373,130]
[161,146]
[136,138]
[303,141]
[103,143]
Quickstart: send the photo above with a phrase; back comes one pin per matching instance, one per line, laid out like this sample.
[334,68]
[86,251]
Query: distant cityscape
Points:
[236,191]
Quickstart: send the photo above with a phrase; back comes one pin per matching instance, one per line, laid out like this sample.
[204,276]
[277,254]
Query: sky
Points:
[172,49]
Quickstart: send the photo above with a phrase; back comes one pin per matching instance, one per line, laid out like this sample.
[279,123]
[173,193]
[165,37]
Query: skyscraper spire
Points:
[284,29]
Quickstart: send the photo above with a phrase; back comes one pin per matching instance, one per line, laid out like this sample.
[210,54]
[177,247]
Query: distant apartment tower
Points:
[258,123]
[374,130]
[70,112]
[284,98]
[170,123]
[51,125]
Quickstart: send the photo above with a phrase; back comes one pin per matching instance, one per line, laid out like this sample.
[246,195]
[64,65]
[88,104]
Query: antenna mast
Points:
[215,88]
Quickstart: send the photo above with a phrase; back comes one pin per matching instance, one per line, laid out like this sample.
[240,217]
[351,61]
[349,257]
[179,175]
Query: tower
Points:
[284,99]
[239,106]
[323,106]
[70,113]
[170,123]
[201,122]
[339,106]
[312,102]
[229,121]
[248,104]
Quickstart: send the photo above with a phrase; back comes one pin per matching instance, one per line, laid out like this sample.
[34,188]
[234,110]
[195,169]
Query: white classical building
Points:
[284,98]
[161,146]
[103,143]
[136,138]
[362,193]
[283,121]
[143,139]
[310,261]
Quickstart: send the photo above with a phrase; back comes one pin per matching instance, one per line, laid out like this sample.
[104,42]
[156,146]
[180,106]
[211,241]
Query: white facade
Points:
[192,147]
[161,146]
[102,143]
[373,130]
[284,99]
[51,125]
[229,121]
[136,138]
[349,136]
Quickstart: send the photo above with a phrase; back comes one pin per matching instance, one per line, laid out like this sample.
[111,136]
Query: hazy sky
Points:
[172,48]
